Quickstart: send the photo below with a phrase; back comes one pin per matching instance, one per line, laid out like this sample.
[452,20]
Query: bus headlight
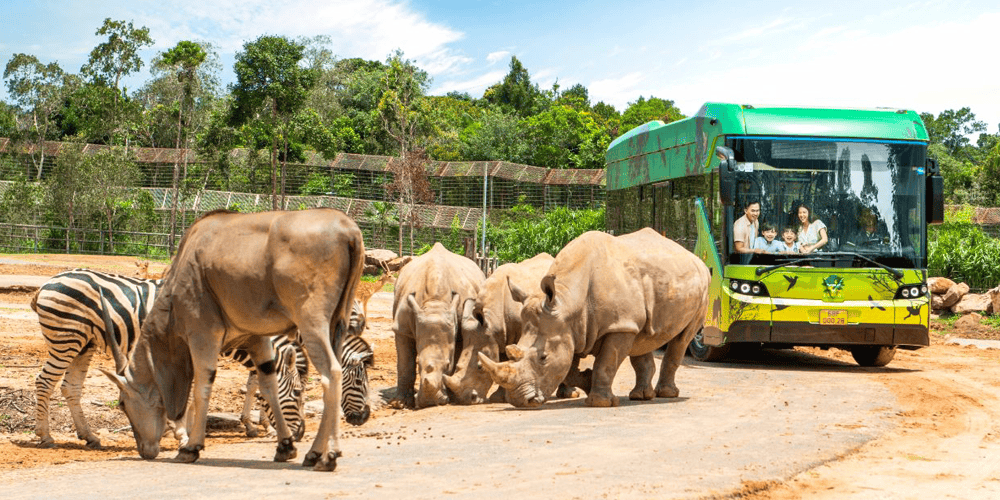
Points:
[746,287]
[912,291]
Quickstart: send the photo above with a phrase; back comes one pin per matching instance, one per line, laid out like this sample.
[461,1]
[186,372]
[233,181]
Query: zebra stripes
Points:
[292,369]
[355,358]
[69,313]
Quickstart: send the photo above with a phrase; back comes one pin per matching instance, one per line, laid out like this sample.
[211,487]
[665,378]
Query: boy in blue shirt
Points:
[788,243]
[766,241]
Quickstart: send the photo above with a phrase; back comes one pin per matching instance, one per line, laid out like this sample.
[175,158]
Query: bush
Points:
[524,233]
[962,252]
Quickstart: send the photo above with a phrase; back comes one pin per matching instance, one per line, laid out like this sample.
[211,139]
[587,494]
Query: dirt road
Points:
[775,425]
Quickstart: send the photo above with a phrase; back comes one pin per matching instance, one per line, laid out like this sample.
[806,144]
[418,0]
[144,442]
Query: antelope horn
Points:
[501,373]
[109,338]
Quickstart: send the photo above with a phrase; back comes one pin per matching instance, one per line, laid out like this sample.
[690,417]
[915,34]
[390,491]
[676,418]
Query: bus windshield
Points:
[867,194]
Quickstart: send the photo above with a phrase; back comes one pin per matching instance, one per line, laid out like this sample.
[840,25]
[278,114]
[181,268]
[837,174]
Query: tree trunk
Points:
[274,160]
[173,204]
[284,165]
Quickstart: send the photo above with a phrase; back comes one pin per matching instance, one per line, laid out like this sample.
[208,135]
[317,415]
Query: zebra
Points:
[70,315]
[288,354]
[356,357]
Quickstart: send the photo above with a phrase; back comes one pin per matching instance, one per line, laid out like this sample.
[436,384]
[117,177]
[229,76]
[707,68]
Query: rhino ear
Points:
[515,292]
[549,288]
[470,320]
[411,299]
[514,352]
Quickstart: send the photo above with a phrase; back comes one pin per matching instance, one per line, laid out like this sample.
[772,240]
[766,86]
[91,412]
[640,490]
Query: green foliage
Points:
[516,93]
[524,233]
[961,252]
[644,110]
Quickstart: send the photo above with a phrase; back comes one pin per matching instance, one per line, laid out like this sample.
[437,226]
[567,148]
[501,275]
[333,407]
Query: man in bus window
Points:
[745,229]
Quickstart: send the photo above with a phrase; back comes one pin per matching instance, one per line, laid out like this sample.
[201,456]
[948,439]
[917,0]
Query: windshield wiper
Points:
[829,257]
[896,273]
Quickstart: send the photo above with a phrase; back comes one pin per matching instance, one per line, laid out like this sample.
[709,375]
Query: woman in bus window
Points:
[812,231]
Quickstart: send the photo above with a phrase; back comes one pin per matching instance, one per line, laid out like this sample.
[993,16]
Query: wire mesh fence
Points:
[242,180]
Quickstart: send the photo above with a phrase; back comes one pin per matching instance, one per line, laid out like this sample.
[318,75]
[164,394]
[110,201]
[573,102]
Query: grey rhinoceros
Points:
[611,297]
[494,323]
[429,299]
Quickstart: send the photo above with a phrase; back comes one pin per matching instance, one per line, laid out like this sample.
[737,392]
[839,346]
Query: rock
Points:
[968,321]
[377,259]
[954,294]
[994,295]
[972,302]
[937,303]
[396,264]
[939,285]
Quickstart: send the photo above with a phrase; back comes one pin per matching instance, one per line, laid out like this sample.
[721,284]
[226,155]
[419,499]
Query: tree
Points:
[951,128]
[516,92]
[644,110]
[562,137]
[114,59]
[114,176]
[119,55]
[67,189]
[184,60]
[39,90]
[400,107]
[269,79]
[410,187]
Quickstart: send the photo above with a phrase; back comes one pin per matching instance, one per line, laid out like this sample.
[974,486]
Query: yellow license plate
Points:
[832,317]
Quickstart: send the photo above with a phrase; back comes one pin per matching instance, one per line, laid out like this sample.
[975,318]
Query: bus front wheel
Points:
[702,352]
[873,355]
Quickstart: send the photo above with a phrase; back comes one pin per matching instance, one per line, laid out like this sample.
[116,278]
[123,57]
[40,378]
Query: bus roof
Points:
[655,150]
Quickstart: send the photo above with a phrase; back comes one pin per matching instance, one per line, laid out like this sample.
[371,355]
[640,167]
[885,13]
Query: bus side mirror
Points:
[935,193]
[727,180]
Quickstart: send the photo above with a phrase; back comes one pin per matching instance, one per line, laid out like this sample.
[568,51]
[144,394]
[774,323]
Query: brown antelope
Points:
[366,289]
[241,279]
[142,271]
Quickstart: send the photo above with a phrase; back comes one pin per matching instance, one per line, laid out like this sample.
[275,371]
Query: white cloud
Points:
[500,55]
[617,92]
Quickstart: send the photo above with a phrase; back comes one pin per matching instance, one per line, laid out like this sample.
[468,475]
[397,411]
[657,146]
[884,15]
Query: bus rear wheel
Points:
[873,355]
[702,352]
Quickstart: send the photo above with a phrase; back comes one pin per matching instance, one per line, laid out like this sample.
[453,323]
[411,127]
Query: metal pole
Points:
[485,172]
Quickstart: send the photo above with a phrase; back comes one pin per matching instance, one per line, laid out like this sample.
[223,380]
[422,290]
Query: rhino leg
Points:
[645,367]
[574,380]
[406,369]
[673,355]
[498,396]
[614,348]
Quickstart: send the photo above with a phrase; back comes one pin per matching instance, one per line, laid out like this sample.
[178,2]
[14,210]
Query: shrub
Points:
[524,233]
[962,252]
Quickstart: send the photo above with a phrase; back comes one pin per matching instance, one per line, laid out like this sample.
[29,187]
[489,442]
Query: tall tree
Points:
[952,129]
[184,60]
[39,90]
[410,187]
[516,92]
[269,79]
[114,59]
[400,107]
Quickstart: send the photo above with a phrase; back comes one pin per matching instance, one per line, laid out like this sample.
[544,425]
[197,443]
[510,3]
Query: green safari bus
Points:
[853,186]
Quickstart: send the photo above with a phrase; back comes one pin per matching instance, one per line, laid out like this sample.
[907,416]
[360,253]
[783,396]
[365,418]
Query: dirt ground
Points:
[945,444]
[22,352]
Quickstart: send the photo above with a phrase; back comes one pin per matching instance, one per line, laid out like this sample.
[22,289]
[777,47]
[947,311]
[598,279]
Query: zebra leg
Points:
[72,390]
[45,382]
[248,424]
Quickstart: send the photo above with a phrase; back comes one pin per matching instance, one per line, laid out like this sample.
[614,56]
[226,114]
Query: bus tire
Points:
[702,352]
[873,355]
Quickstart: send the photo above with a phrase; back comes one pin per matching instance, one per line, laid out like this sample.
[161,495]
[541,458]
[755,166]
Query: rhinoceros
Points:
[494,323]
[611,297]
[429,300]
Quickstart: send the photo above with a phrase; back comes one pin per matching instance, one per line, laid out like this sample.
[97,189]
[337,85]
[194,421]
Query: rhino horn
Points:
[451,383]
[501,373]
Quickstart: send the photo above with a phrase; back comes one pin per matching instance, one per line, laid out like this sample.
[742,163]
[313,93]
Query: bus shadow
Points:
[789,360]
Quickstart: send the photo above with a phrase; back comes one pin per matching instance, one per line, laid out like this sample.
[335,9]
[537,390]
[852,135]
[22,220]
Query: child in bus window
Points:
[766,241]
[788,243]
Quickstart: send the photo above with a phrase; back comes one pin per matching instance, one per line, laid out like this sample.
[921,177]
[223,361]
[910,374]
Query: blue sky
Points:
[924,55]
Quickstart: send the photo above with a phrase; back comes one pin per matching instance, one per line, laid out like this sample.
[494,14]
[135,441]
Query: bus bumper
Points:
[806,334]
